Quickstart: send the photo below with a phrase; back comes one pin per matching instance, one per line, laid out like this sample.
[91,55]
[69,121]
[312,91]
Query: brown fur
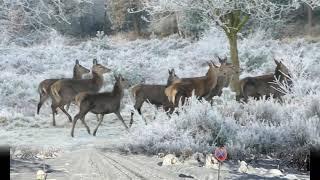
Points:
[134,89]
[45,85]
[64,91]
[153,94]
[264,85]
[227,70]
[101,103]
[79,97]
[200,85]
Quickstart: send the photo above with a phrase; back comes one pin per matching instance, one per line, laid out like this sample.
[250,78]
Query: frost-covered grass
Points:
[264,127]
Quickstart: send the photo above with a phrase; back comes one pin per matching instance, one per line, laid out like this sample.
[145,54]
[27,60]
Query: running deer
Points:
[101,103]
[153,94]
[45,85]
[64,91]
[264,85]
[226,72]
[201,85]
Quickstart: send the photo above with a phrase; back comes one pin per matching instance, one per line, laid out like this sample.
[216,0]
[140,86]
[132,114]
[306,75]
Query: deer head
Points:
[281,69]
[222,61]
[98,68]
[122,81]
[172,76]
[80,69]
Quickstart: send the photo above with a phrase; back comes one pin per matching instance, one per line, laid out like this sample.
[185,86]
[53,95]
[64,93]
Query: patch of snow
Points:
[211,162]
[243,167]
[170,159]
[290,176]
[274,172]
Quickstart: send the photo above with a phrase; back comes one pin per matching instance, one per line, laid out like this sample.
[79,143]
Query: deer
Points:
[64,91]
[45,85]
[264,85]
[226,72]
[200,85]
[101,103]
[152,93]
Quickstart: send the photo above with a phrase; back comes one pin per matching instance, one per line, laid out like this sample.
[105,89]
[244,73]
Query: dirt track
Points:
[101,164]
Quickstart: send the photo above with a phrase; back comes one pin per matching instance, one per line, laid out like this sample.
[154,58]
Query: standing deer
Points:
[264,85]
[101,103]
[45,85]
[64,91]
[153,94]
[201,85]
[226,72]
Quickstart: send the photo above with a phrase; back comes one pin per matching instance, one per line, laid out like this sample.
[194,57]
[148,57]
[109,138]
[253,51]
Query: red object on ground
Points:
[221,153]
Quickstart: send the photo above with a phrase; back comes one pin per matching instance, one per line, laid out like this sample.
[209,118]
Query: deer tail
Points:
[55,88]
[42,90]
[134,90]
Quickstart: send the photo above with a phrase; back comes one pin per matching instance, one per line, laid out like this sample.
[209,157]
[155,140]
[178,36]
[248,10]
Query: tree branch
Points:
[243,22]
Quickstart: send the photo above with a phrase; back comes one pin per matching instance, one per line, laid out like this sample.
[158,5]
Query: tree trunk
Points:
[234,23]
[310,24]
[235,81]
[136,25]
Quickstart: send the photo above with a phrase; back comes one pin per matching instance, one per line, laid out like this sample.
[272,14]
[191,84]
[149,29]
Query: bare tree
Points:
[20,17]
[27,13]
[231,16]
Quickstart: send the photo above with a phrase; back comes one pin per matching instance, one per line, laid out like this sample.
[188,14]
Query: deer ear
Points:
[121,77]
[276,61]
[95,62]
[77,61]
[169,71]
[172,71]
[220,60]
[214,64]
[225,59]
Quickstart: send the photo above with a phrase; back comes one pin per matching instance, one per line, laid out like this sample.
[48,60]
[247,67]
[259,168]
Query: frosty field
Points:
[252,132]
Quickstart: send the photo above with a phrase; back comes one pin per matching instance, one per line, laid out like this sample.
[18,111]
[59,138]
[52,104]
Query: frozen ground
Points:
[265,127]
[106,164]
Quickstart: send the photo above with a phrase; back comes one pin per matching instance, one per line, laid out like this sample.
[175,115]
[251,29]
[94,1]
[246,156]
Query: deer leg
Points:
[85,124]
[43,98]
[100,121]
[132,113]
[120,117]
[74,123]
[131,119]
[155,114]
[97,115]
[65,112]
[139,111]
[245,97]
[68,107]
[53,108]
[137,106]
[168,110]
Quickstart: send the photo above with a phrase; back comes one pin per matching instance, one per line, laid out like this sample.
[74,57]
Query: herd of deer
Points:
[85,92]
